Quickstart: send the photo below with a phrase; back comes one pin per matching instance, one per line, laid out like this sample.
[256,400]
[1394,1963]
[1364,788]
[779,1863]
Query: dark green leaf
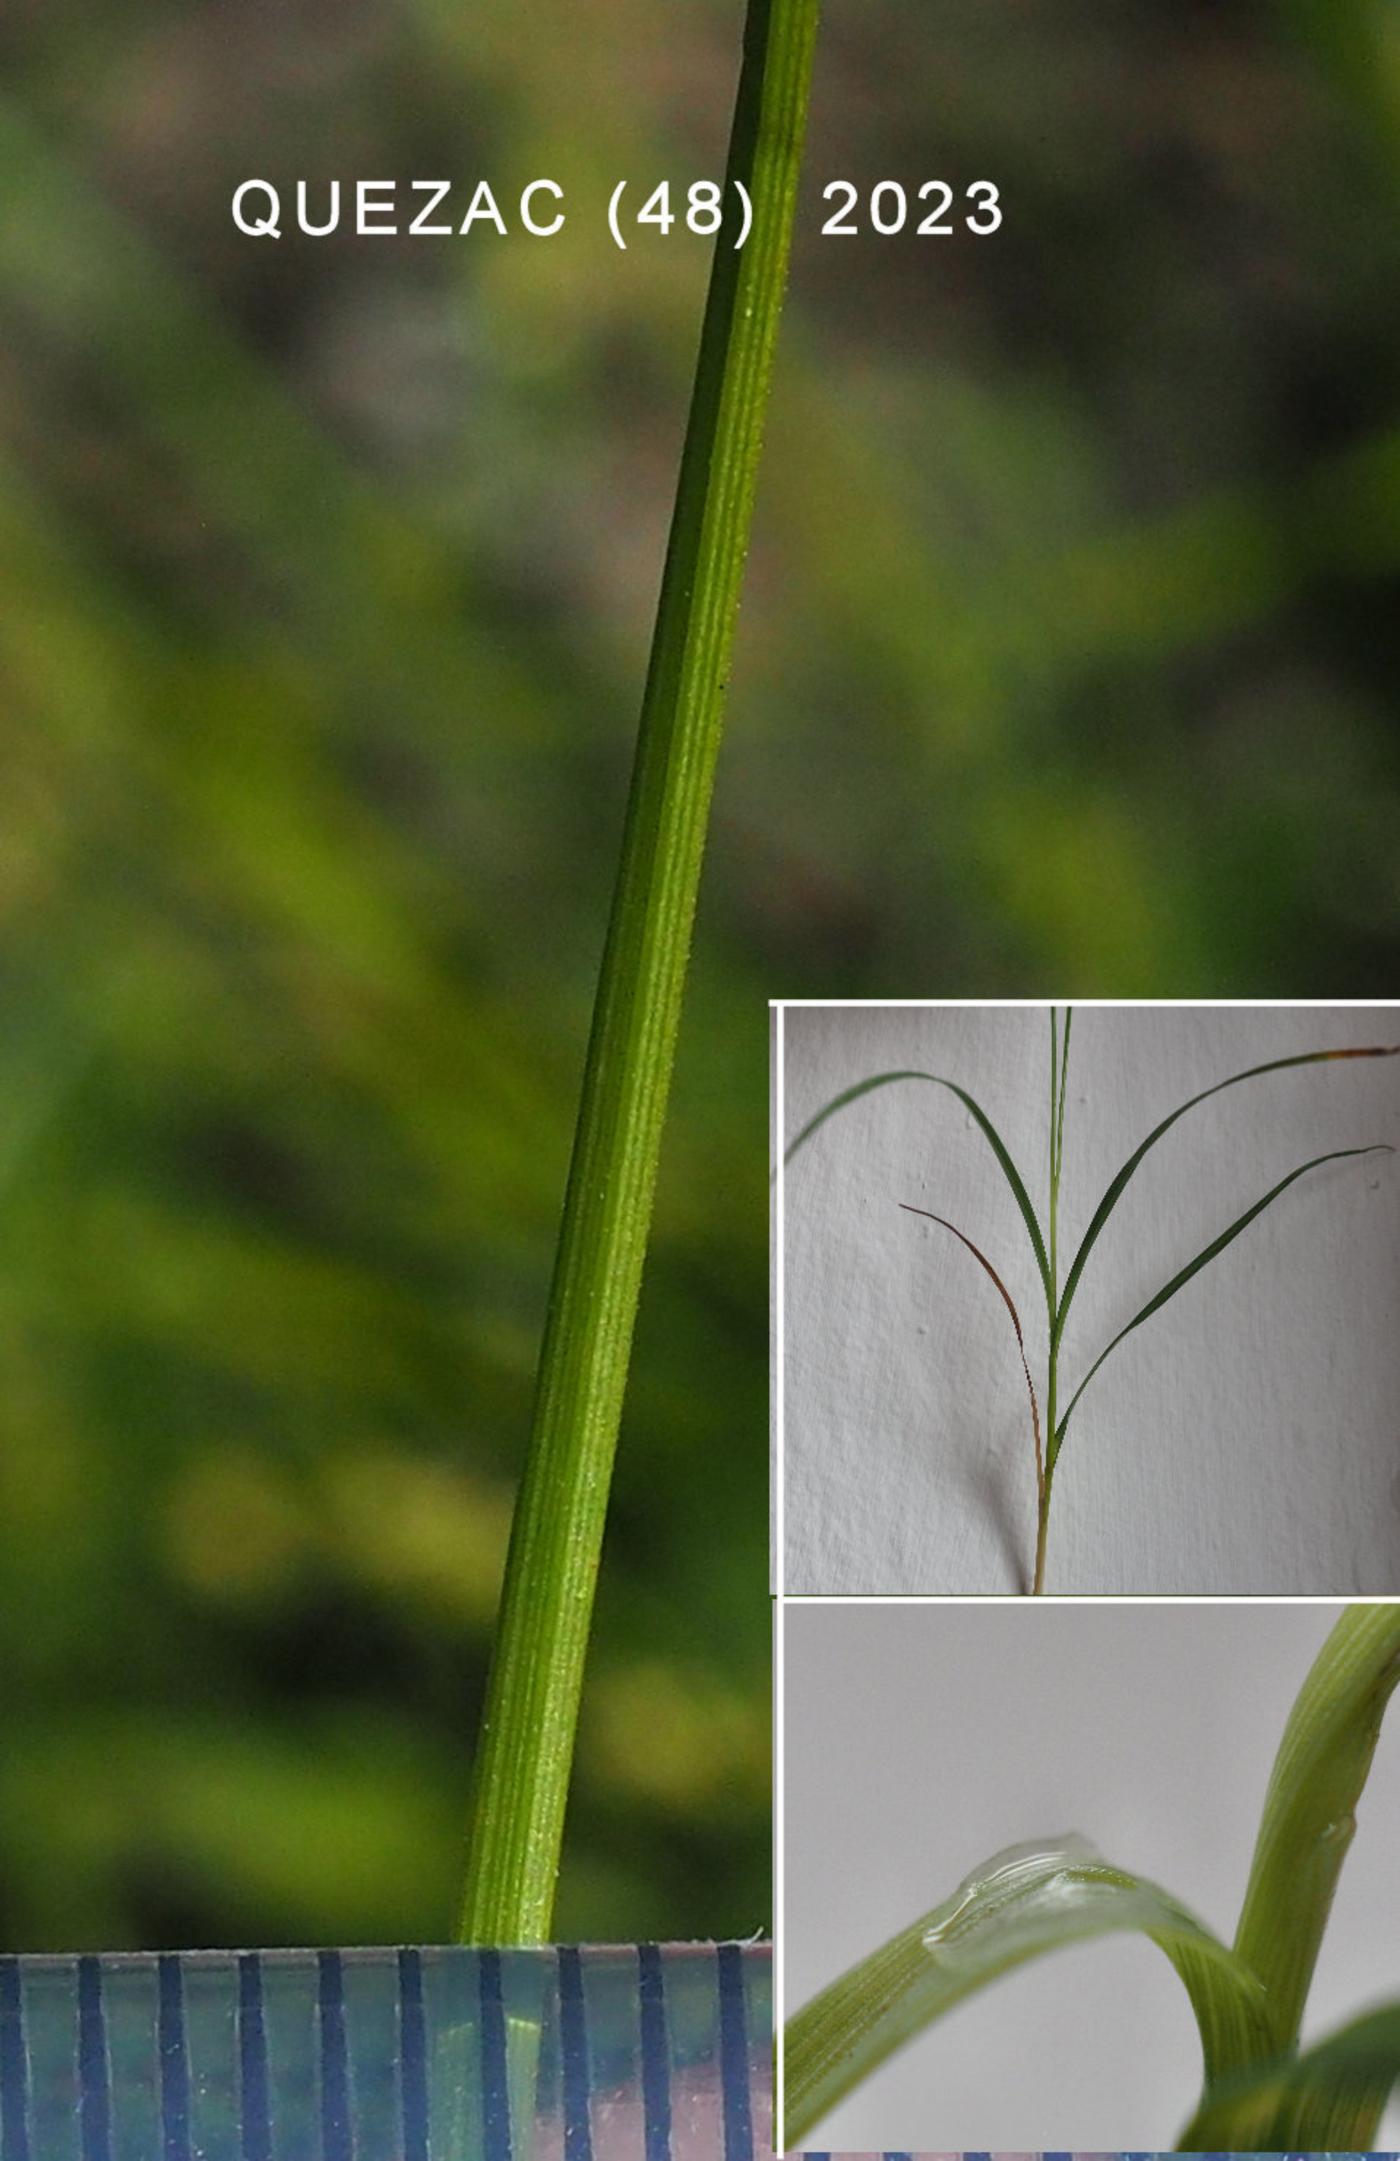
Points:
[1327,2100]
[1179,1281]
[979,1255]
[1115,1191]
[1058,1143]
[999,1149]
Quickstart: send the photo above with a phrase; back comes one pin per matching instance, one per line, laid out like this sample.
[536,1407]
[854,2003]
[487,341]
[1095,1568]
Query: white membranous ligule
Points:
[1030,1873]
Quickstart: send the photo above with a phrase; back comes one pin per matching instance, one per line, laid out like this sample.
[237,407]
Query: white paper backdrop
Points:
[1247,1439]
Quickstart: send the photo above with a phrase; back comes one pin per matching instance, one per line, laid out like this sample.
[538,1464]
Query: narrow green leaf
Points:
[1025,1902]
[1328,2100]
[999,1149]
[1310,1811]
[1064,1087]
[1179,1281]
[1010,1304]
[1054,1120]
[1059,1083]
[1115,1191]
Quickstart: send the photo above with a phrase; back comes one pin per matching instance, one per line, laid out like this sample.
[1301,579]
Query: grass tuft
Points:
[1045,1243]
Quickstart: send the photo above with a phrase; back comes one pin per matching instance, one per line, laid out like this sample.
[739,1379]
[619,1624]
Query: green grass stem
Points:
[1310,1811]
[526,1747]
[1059,1083]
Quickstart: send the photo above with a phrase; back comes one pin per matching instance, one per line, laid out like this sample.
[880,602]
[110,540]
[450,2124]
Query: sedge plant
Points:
[1261,2090]
[1044,1238]
[526,1743]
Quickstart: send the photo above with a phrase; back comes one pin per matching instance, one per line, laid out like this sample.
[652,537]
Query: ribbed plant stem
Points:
[1042,1520]
[1042,1526]
[1059,1082]
[1309,1812]
[526,1747]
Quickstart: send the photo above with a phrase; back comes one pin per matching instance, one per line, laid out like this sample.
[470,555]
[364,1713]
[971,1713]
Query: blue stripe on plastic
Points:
[656,2055]
[337,2134]
[14,2066]
[495,2079]
[94,2071]
[1062,2157]
[734,2053]
[910,2157]
[495,2073]
[573,2047]
[254,2102]
[413,2058]
[174,2060]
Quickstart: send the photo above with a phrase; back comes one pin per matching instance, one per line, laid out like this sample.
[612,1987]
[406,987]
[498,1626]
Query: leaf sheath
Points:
[1310,1810]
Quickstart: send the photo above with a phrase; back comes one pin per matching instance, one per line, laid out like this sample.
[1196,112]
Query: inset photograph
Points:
[1091,1877]
[1093,1300]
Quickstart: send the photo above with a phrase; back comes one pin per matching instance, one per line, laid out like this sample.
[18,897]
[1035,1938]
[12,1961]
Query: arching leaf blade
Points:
[1203,1260]
[1010,1304]
[1328,2100]
[998,1146]
[1026,1902]
[1116,1188]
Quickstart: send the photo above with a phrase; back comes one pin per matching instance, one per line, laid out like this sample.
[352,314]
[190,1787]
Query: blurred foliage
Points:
[1067,665]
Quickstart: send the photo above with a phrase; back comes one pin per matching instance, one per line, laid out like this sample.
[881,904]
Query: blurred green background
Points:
[1067,666]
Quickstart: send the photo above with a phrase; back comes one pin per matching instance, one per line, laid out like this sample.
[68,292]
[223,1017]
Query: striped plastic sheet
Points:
[643,2053]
